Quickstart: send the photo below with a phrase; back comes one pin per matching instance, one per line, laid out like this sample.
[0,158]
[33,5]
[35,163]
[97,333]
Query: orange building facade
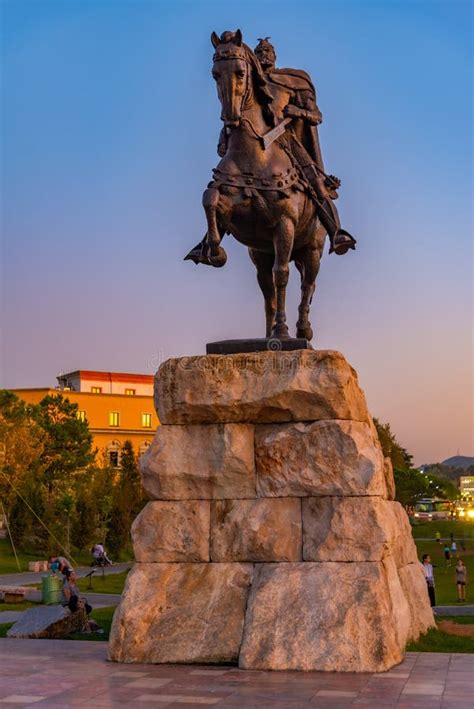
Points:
[117,406]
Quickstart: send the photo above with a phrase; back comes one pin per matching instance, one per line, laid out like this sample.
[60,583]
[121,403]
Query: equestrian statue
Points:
[270,190]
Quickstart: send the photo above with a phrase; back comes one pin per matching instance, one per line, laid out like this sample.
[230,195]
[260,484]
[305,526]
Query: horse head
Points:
[239,78]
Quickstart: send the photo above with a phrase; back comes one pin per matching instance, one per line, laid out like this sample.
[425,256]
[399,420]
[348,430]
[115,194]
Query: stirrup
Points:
[342,242]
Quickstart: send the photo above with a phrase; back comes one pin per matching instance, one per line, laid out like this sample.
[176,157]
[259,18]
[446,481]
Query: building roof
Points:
[109,376]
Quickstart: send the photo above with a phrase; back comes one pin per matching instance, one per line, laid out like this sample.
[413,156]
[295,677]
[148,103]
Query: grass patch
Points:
[111,583]
[437,641]
[17,606]
[460,529]
[462,619]
[446,591]
[103,617]
[79,558]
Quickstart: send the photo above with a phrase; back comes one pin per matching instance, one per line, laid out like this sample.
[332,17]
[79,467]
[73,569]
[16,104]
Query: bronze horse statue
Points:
[259,194]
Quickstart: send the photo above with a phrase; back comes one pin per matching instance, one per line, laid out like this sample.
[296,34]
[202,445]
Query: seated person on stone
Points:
[59,564]
[70,594]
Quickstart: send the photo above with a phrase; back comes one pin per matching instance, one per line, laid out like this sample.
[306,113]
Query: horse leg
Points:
[210,201]
[264,265]
[283,245]
[307,262]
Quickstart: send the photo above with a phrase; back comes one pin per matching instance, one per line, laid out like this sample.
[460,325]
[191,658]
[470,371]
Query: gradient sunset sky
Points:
[110,126]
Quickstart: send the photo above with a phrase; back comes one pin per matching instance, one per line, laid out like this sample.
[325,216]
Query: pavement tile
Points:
[148,683]
[178,699]
[21,699]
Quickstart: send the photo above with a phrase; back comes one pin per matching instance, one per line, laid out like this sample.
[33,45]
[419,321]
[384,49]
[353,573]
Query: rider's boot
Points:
[200,253]
[340,239]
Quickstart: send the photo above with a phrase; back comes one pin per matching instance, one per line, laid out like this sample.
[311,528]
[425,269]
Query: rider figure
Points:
[303,140]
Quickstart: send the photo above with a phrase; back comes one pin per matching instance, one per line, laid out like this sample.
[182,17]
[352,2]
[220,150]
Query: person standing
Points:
[429,576]
[454,547]
[438,537]
[461,578]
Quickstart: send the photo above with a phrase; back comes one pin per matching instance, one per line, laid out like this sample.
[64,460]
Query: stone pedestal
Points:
[271,538]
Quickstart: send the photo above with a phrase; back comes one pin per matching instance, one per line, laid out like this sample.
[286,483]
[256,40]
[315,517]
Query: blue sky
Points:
[109,128]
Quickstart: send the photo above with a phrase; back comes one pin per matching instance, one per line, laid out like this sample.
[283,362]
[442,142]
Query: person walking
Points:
[429,576]
[454,547]
[447,555]
[461,578]
[438,537]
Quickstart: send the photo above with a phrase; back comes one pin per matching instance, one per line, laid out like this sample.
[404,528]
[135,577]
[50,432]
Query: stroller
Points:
[99,557]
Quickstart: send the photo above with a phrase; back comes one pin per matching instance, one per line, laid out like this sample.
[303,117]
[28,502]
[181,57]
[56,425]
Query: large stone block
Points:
[256,530]
[356,529]
[172,531]
[181,613]
[305,385]
[200,462]
[412,579]
[321,458]
[335,617]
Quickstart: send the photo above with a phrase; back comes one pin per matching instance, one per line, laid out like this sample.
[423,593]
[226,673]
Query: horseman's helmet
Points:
[265,51]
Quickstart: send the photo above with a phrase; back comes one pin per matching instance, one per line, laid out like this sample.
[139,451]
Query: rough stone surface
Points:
[356,529]
[256,530]
[200,462]
[389,479]
[321,458]
[413,583]
[172,531]
[48,622]
[181,613]
[323,616]
[263,387]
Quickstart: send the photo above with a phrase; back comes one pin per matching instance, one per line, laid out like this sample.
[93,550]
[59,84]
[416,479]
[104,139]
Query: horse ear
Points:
[215,40]
[238,38]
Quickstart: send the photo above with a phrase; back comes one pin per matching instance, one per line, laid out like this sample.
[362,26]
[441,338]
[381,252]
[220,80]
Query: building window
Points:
[114,418]
[114,458]
[81,415]
[96,390]
[113,453]
[146,420]
[130,392]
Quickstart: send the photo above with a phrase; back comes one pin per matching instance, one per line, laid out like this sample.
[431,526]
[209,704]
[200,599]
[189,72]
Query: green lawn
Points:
[8,563]
[112,583]
[16,606]
[458,527]
[437,641]
[446,592]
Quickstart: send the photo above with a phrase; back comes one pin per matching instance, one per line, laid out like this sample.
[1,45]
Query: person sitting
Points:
[59,564]
[70,595]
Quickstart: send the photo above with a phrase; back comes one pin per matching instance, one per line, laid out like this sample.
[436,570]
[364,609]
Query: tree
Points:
[128,500]
[22,444]
[400,457]
[68,443]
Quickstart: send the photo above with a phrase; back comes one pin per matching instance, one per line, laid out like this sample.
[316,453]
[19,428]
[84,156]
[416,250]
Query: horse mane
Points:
[262,92]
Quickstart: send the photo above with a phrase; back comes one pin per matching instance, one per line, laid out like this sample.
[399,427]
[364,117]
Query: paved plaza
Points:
[66,673]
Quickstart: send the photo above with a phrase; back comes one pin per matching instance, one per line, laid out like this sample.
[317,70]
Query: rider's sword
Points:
[275,133]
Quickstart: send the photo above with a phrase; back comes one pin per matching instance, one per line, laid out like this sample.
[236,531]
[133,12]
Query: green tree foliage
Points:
[48,473]
[68,443]
[128,500]
[410,484]
[400,457]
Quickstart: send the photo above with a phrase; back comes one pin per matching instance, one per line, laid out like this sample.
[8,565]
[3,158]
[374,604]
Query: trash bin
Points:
[50,589]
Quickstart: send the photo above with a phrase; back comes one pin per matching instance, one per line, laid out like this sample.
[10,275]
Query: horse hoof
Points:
[219,259]
[306,333]
[280,332]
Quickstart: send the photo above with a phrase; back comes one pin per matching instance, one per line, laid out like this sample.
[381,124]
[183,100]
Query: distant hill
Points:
[459,461]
